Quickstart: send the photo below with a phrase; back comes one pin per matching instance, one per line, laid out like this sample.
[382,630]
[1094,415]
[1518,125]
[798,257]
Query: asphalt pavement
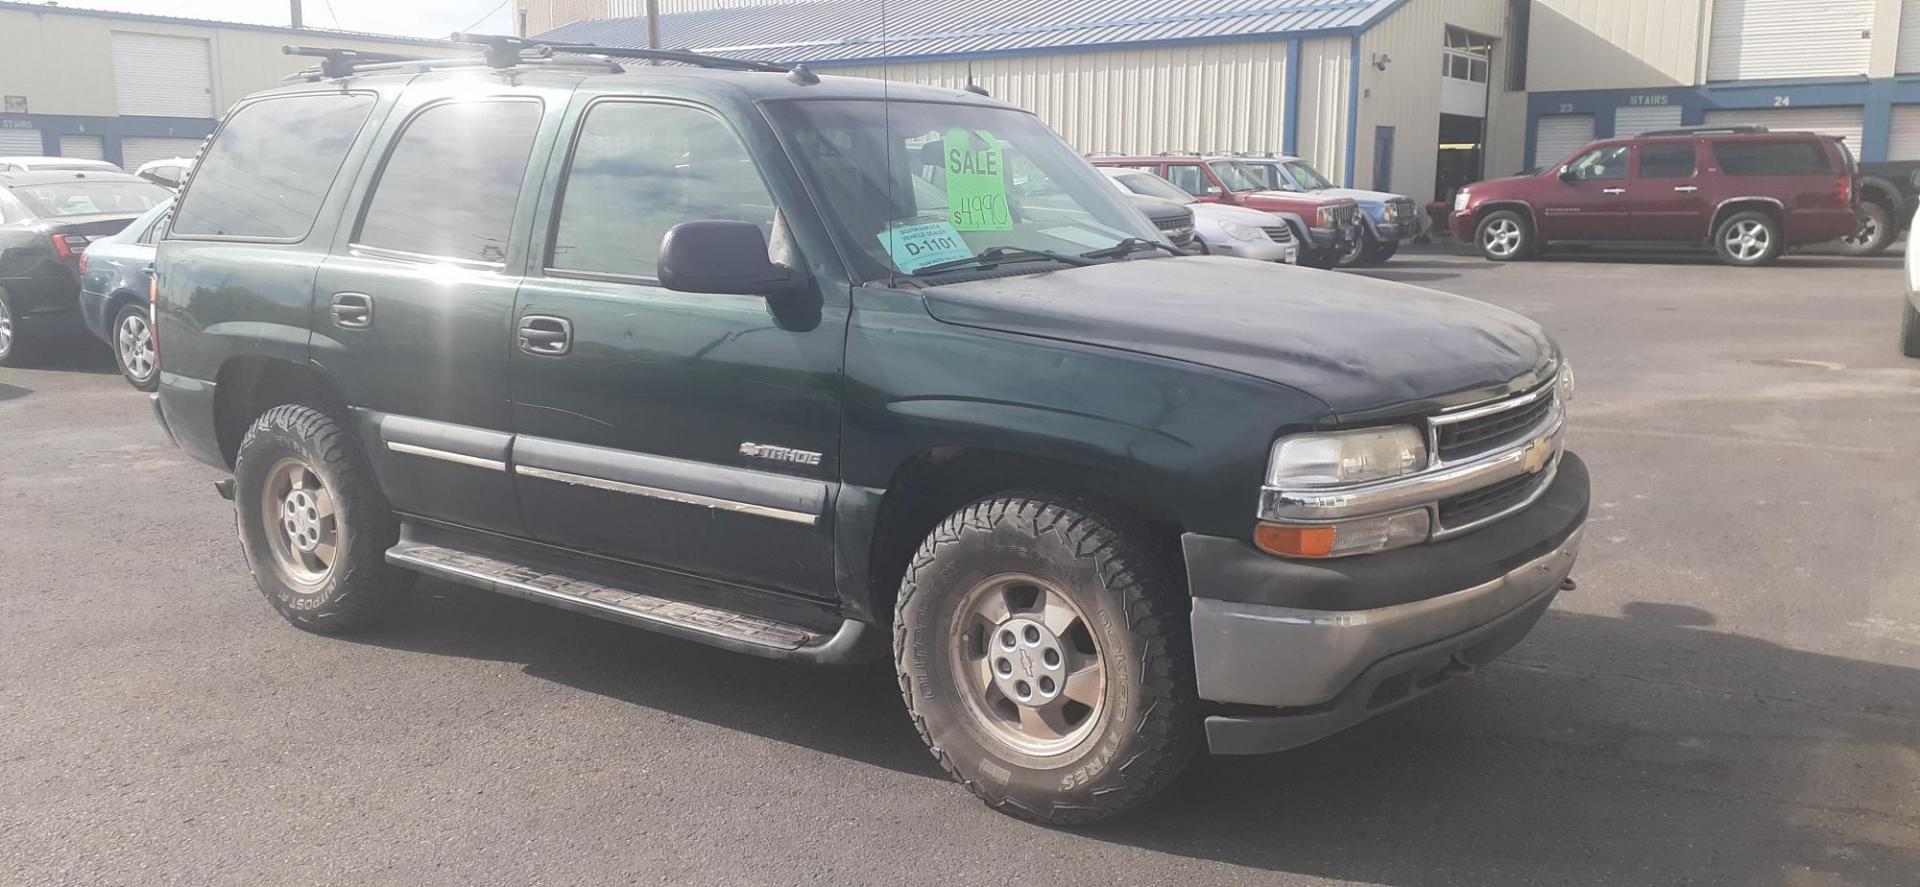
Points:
[1731,696]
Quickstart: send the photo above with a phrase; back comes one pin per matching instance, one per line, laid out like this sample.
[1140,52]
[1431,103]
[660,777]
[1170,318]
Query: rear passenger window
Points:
[1666,161]
[638,169]
[1190,178]
[269,169]
[1770,158]
[450,185]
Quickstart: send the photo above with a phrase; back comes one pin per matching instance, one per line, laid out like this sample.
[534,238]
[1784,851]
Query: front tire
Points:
[133,348]
[1875,231]
[314,525]
[1042,657]
[1504,236]
[1909,329]
[1748,239]
[13,348]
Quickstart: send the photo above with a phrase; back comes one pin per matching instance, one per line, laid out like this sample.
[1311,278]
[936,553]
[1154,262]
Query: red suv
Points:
[1326,227]
[1748,192]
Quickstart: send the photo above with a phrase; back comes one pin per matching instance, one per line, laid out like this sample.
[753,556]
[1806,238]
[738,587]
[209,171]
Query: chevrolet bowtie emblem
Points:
[1537,455]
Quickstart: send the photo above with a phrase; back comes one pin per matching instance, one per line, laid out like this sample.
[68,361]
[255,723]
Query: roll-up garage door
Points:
[1840,121]
[135,150]
[21,143]
[159,75]
[1768,39]
[1904,142]
[1634,120]
[83,147]
[1557,136]
[1907,59]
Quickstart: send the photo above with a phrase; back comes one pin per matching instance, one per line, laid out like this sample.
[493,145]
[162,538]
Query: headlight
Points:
[1566,381]
[1238,231]
[1323,217]
[1460,200]
[1346,457]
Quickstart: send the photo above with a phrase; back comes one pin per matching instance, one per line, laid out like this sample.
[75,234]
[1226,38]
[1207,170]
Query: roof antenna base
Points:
[802,75]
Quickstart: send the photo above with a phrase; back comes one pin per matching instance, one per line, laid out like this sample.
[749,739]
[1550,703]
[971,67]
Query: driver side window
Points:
[1190,178]
[1600,164]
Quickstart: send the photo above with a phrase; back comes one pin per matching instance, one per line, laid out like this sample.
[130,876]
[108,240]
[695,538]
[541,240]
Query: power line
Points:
[483,19]
[333,15]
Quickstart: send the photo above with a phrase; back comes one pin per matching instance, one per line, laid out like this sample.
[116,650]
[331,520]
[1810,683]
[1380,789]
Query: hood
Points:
[1367,348]
[1360,196]
[1158,209]
[1507,185]
[1289,201]
[1221,212]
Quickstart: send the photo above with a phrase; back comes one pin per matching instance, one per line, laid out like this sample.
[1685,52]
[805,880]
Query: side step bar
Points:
[740,632]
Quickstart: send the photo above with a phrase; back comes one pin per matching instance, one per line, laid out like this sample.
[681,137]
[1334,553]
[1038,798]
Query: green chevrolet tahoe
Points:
[832,370]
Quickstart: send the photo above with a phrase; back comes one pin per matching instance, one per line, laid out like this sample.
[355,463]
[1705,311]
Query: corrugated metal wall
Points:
[1324,82]
[1406,95]
[1207,98]
[1613,44]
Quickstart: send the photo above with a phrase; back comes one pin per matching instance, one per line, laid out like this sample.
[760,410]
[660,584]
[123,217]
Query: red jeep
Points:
[1748,192]
[1325,226]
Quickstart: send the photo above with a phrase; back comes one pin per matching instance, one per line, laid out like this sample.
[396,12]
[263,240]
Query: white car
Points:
[1226,230]
[168,172]
[42,164]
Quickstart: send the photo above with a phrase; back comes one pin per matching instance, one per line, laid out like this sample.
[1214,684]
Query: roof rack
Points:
[1741,130]
[346,62]
[509,47]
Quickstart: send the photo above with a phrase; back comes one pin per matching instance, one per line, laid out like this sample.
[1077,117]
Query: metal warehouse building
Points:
[1620,67]
[131,88]
[1395,94]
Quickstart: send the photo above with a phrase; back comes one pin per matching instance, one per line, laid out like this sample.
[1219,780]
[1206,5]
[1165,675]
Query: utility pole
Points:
[296,13]
[653,26]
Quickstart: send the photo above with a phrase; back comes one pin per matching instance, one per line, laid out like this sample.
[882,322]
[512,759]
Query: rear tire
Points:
[1875,232]
[1042,657]
[1909,329]
[132,343]
[14,349]
[1748,239]
[1504,236]
[314,525]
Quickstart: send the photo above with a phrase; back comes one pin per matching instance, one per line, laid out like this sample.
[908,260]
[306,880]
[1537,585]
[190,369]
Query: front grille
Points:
[1459,440]
[1399,209]
[1342,216]
[1486,502]
[1179,231]
[1279,233]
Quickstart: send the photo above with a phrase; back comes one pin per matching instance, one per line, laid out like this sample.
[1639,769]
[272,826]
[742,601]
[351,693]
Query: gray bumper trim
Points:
[1254,654]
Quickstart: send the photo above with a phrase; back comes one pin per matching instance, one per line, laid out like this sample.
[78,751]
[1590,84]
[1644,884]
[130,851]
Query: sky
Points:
[413,18]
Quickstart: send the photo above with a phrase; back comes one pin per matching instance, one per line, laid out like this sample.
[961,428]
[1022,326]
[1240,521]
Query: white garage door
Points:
[84,147]
[158,75]
[1557,136]
[1764,39]
[21,143]
[135,150]
[1907,59]
[1904,142]
[1843,121]
[1634,120]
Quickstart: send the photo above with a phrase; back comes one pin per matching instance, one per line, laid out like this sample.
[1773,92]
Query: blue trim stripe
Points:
[1353,108]
[1290,138]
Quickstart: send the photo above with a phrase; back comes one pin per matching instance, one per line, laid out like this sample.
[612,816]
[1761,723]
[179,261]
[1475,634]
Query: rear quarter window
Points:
[270,167]
[1771,158]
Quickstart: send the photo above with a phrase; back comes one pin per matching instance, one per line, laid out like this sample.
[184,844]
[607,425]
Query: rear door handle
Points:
[546,335]
[1686,189]
[1613,190]
[352,311]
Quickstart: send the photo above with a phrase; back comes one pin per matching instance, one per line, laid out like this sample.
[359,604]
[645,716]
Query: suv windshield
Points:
[1237,176]
[78,198]
[1308,177]
[1147,184]
[908,185]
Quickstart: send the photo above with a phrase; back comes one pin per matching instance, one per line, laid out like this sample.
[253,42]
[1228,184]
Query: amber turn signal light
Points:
[1289,541]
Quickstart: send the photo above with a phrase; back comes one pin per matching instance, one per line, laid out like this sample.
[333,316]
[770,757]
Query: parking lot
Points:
[1731,696]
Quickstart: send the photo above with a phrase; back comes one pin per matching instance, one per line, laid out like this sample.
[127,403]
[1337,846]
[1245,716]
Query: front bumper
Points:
[1320,646]
[1259,250]
[1461,224]
[1397,231]
[1335,239]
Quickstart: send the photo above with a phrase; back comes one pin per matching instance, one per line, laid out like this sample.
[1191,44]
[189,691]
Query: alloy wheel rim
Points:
[136,346]
[1503,237]
[302,525]
[1032,672]
[1748,240]
[1866,233]
[6,328]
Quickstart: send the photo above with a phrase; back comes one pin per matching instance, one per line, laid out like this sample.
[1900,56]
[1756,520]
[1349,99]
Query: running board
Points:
[732,630]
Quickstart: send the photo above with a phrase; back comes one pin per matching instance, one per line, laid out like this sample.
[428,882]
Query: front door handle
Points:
[352,311]
[1686,189]
[1613,190]
[545,335]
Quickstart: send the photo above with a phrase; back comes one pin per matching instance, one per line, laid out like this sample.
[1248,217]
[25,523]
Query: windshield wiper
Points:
[1129,245]
[1001,255]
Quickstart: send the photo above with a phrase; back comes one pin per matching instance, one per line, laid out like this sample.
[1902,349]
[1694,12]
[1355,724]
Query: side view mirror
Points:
[722,257]
[1565,174]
